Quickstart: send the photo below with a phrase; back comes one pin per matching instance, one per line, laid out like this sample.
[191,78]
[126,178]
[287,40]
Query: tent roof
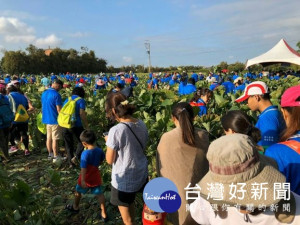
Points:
[280,53]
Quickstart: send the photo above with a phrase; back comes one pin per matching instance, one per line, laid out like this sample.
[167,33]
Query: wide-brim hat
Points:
[255,88]
[235,161]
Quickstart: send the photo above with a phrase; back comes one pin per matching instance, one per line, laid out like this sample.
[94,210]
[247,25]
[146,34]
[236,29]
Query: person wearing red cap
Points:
[270,121]
[287,152]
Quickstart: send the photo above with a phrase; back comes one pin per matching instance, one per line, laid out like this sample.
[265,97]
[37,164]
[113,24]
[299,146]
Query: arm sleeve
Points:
[83,160]
[113,139]
[58,100]
[82,104]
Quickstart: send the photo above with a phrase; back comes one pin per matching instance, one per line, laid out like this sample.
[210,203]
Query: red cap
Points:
[290,97]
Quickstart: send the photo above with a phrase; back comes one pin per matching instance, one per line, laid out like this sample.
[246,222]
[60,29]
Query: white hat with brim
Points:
[234,159]
[255,88]
[213,80]
[237,80]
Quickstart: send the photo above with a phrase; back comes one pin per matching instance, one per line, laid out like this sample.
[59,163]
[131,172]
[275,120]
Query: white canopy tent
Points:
[280,53]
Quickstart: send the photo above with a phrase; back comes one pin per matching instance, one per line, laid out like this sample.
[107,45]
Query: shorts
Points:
[94,190]
[121,198]
[53,132]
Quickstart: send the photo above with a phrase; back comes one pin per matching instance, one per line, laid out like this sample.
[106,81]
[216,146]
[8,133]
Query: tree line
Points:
[35,61]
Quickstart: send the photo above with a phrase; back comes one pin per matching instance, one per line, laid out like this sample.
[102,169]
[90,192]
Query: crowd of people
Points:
[268,152]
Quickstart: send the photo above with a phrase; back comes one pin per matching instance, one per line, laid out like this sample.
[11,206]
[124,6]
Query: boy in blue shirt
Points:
[90,176]
[270,122]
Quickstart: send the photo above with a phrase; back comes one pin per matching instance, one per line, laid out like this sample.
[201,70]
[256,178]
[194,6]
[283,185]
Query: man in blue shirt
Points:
[270,122]
[190,87]
[53,77]
[235,76]
[239,85]
[51,106]
[80,122]
[229,86]
[214,84]
[195,76]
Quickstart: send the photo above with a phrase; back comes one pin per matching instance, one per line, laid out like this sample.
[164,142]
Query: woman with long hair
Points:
[126,143]
[236,121]
[287,152]
[181,157]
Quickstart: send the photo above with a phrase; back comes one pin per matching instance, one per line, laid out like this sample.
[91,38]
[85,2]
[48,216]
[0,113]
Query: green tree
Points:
[14,62]
[298,45]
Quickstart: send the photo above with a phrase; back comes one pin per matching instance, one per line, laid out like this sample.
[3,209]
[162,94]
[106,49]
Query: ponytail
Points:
[239,122]
[254,133]
[183,112]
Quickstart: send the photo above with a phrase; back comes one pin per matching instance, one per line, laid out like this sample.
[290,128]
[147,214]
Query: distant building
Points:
[48,51]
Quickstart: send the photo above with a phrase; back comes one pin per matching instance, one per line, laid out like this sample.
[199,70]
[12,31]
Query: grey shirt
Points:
[130,169]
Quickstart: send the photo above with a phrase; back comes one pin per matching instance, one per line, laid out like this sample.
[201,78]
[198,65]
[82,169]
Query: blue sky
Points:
[181,32]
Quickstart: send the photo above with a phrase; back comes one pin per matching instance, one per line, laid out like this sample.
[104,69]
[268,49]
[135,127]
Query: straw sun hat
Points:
[234,159]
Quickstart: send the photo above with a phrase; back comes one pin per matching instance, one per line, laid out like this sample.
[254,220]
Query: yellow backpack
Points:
[20,112]
[40,125]
[66,117]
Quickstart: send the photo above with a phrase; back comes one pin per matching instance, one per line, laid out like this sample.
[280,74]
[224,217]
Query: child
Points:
[89,178]
[150,217]
[200,99]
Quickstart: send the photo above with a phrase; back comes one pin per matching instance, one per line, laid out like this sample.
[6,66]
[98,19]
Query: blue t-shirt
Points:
[53,77]
[80,104]
[50,99]
[6,102]
[195,76]
[19,99]
[271,124]
[7,80]
[155,82]
[189,89]
[229,87]
[239,88]
[288,161]
[213,86]
[235,76]
[202,107]
[181,87]
[173,82]
[90,160]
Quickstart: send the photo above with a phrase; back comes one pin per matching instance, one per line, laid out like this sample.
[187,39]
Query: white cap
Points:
[255,88]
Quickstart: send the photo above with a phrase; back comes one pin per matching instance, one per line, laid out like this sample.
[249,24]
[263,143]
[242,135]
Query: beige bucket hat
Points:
[234,159]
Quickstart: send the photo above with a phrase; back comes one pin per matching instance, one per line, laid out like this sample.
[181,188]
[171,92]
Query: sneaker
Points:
[50,156]
[55,159]
[27,152]
[13,149]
